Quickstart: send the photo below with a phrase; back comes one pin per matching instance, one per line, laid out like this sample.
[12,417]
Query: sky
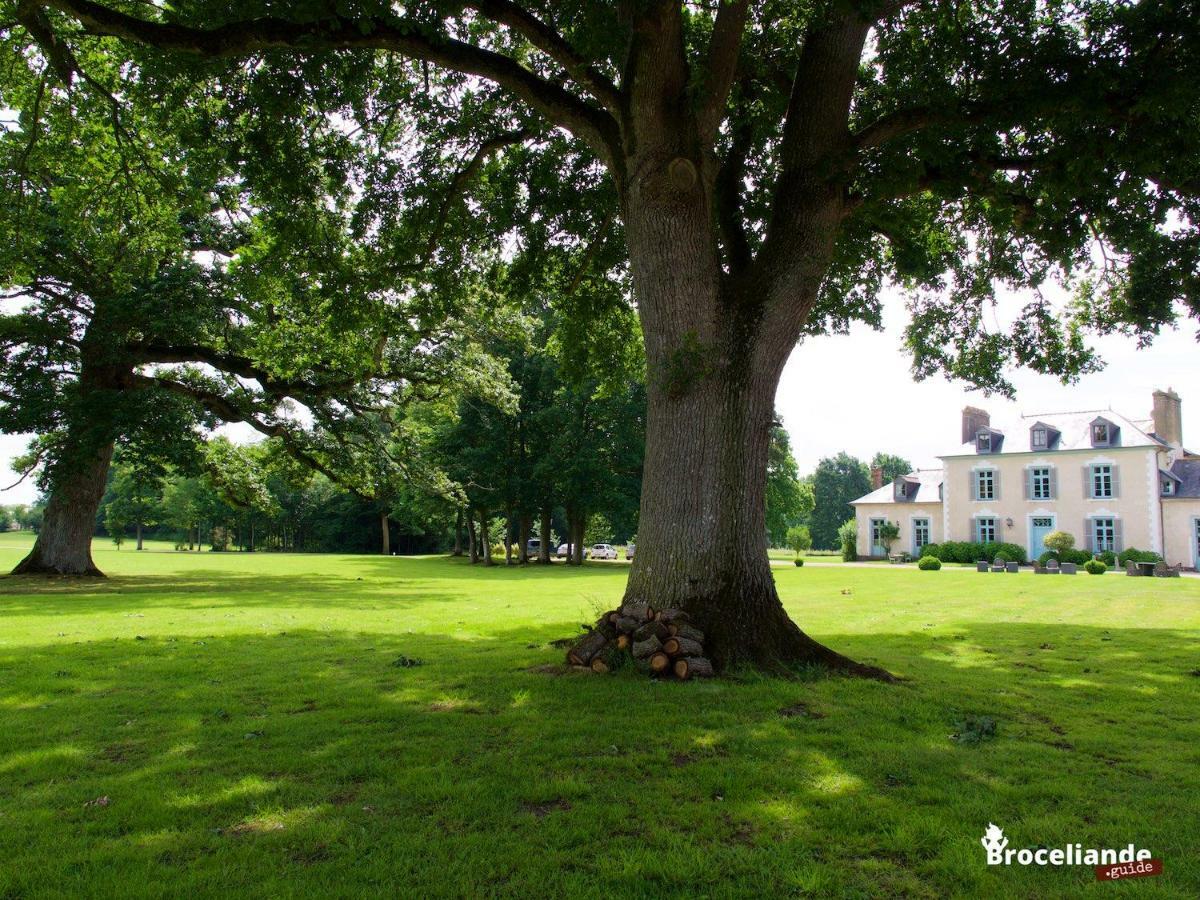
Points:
[856,393]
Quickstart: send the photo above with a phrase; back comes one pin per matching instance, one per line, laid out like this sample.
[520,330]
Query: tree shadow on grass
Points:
[311,762]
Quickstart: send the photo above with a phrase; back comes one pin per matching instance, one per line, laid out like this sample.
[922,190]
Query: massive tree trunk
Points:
[64,544]
[716,344]
[79,471]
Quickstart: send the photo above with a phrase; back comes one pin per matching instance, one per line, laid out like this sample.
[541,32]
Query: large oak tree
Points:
[771,163]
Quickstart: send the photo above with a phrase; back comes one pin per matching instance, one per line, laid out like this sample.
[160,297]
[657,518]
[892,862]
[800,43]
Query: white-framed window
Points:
[985,484]
[1168,487]
[1100,434]
[1104,535]
[985,529]
[983,442]
[1039,439]
[1039,483]
[1102,481]
[920,535]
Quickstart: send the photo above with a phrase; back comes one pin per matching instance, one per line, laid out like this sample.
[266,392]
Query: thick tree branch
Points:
[723,50]
[550,42]
[237,39]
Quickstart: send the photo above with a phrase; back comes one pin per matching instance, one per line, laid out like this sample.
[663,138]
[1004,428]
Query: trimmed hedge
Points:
[1132,553]
[929,563]
[1079,557]
[970,551]
[1095,567]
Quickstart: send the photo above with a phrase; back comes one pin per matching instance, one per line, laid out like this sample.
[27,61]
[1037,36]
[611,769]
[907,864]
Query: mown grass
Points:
[247,720]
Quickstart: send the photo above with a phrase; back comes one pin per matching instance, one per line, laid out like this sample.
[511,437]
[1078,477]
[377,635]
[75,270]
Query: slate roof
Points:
[1074,432]
[1187,470]
[928,479]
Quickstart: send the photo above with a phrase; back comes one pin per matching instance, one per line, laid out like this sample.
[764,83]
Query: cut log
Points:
[612,616]
[693,667]
[660,663]
[684,630]
[651,629]
[606,628]
[623,641]
[628,624]
[583,652]
[636,609]
[672,615]
[645,649]
[680,646]
[609,659]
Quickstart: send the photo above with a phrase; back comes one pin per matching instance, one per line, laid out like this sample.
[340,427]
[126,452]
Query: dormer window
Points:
[1168,487]
[1038,440]
[983,442]
[1104,433]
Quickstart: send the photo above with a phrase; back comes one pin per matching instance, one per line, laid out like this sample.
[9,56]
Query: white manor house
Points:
[1111,481]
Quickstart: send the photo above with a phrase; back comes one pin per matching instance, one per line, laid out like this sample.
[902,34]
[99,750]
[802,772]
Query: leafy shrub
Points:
[1108,558]
[799,562]
[1132,553]
[1095,567]
[970,551]
[1079,557]
[1003,550]
[848,538]
[929,564]
[1060,541]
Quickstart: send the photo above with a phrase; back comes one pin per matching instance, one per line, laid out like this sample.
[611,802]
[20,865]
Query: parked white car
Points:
[604,551]
[563,549]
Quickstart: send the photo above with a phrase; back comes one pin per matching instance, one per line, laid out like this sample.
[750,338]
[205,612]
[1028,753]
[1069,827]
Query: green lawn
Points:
[247,720]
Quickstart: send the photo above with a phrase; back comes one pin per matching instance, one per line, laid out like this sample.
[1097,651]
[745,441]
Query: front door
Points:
[876,545]
[1039,527]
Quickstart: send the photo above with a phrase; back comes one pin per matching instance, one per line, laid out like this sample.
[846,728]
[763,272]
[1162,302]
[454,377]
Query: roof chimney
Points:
[876,477]
[972,420]
[1168,417]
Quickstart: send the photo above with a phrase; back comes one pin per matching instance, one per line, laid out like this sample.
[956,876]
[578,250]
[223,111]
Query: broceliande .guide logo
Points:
[1110,864]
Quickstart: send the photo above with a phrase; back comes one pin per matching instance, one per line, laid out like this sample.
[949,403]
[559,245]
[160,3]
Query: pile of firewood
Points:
[661,643]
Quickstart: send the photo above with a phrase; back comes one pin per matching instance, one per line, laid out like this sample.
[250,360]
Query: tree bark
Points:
[385,534]
[715,351]
[457,550]
[472,541]
[544,550]
[64,544]
[485,539]
[139,534]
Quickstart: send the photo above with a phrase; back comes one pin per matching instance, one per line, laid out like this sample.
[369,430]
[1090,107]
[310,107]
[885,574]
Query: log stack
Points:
[663,643]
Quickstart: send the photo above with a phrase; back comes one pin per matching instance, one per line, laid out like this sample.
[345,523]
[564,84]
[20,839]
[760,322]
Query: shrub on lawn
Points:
[1108,558]
[799,562]
[1133,553]
[848,538]
[929,564]
[1095,567]
[1060,541]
